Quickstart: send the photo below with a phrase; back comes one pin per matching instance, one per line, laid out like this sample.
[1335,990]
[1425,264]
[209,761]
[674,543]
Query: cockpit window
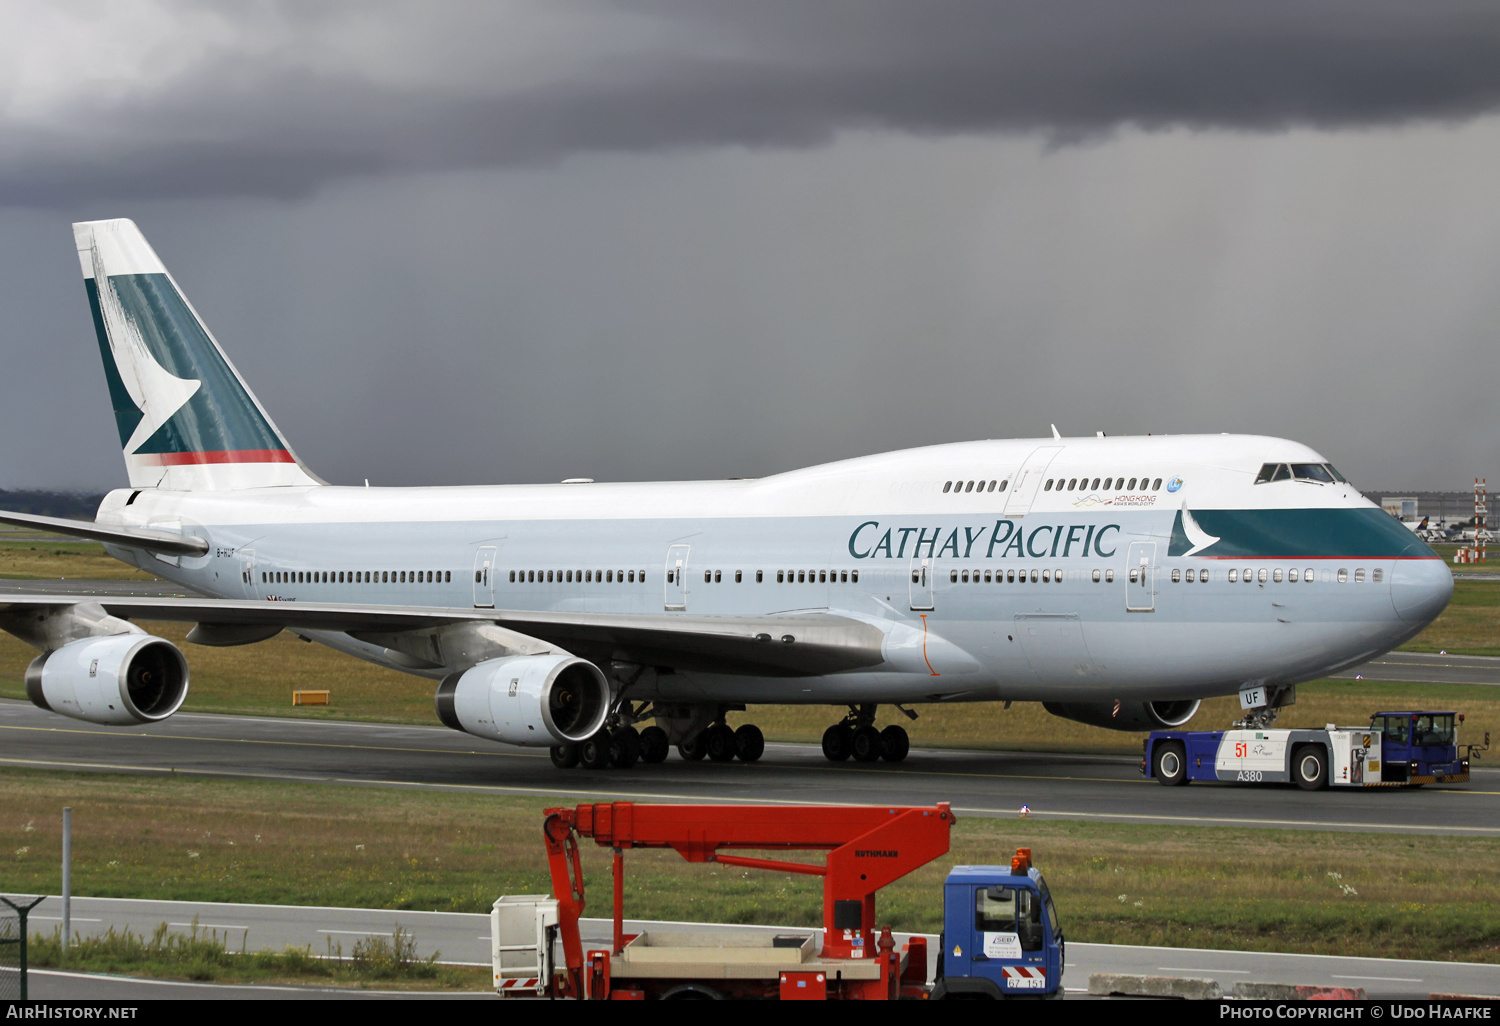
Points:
[1321,473]
[1312,472]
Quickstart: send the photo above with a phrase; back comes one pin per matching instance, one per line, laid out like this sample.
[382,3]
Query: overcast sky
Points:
[494,242]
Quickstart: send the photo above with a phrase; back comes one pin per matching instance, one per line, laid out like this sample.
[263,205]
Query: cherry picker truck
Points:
[1001,936]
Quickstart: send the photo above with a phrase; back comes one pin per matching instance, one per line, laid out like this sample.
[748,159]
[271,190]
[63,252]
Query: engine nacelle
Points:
[526,700]
[121,679]
[1136,716]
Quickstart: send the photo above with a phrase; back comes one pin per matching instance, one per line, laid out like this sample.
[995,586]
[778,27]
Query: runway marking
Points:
[1382,979]
[1419,680]
[288,744]
[1180,969]
[206,926]
[1300,823]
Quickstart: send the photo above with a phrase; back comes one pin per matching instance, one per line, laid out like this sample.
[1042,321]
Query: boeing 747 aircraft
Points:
[1117,580]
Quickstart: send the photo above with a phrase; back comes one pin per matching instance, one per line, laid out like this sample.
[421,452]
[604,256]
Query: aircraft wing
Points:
[146,538]
[788,644]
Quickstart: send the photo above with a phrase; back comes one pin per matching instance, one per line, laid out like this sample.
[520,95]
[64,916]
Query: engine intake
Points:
[1133,716]
[538,700]
[117,680]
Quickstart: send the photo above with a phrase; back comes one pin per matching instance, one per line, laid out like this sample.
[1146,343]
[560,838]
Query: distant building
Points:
[1401,506]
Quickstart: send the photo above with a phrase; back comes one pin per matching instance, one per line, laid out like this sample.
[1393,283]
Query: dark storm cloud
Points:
[277,101]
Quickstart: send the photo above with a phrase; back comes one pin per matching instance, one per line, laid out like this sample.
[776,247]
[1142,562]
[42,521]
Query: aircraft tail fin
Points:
[186,418]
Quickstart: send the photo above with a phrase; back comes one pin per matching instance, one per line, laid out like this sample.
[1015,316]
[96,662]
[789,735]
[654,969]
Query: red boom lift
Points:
[868,848]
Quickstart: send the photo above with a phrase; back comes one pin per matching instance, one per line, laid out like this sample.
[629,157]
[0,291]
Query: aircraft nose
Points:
[1420,588]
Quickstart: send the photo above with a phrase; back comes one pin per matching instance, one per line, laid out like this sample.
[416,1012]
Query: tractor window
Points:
[1433,730]
[995,910]
[1051,909]
[1394,728]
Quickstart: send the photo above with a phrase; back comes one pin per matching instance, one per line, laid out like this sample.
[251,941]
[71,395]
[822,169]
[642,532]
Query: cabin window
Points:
[1176,576]
[801,576]
[987,577]
[1376,575]
[1096,577]
[1131,486]
[992,485]
[1262,575]
[738,576]
[854,577]
[1156,485]
[779,577]
[1109,577]
[1033,577]
[1291,575]
[1234,575]
[1107,482]
[1004,483]
[1046,576]
[947,487]
[1359,576]
[1343,576]
[1048,486]
[1276,575]
[953,576]
[1133,573]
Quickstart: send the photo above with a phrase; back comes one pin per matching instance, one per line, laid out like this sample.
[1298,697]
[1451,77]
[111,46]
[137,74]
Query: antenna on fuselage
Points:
[1055,434]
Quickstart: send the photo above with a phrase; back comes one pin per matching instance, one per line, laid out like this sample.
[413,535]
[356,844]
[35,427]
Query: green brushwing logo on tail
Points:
[173,378]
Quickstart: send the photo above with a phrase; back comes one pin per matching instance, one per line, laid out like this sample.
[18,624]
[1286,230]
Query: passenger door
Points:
[675,586]
[484,577]
[1029,480]
[923,573]
[1140,577]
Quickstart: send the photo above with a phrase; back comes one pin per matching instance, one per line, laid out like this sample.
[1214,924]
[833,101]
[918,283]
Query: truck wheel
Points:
[867,744]
[894,743]
[1310,767]
[749,743]
[1170,763]
[718,741]
[564,756]
[654,745]
[838,745]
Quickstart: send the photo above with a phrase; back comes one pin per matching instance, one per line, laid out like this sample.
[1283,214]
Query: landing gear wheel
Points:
[624,748]
[894,743]
[564,756]
[867,744]
[838,744]
[1170,763]
[749,743]
[654,745]
[692,749]
[1310,768]
[594,753]
[718,741]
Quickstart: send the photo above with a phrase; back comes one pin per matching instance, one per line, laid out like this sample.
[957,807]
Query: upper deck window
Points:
[1312,472]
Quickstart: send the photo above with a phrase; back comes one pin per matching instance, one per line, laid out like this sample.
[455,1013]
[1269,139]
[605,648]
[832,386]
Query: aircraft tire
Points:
[624,748]
[692,750]
[867,745]
[1170,760]
[718,741]
[895,743]
[564,756]
[594,753]
[838,744]
[749,743]
[654,745]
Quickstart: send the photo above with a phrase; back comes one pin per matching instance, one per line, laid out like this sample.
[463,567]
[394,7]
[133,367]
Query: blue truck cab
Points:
[1422,747]
[1001,936]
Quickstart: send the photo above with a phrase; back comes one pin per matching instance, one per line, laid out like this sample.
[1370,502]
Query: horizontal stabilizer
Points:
[146,538]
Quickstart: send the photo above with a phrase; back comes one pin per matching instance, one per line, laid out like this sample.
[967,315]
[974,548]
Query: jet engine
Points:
[539,700]
[1136,716]
[119,679]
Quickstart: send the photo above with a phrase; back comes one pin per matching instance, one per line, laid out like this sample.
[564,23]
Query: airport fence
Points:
[13,949]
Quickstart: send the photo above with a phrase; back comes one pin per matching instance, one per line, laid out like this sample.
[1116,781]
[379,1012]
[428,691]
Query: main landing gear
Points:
[620,745]
[856,735]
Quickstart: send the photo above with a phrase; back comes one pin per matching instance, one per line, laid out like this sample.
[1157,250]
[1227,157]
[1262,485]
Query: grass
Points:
[384,962]
[211,840]
[259,679]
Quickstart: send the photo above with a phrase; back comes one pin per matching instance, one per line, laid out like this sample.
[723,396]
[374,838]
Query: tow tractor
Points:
[1001,935]
[1397,749]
